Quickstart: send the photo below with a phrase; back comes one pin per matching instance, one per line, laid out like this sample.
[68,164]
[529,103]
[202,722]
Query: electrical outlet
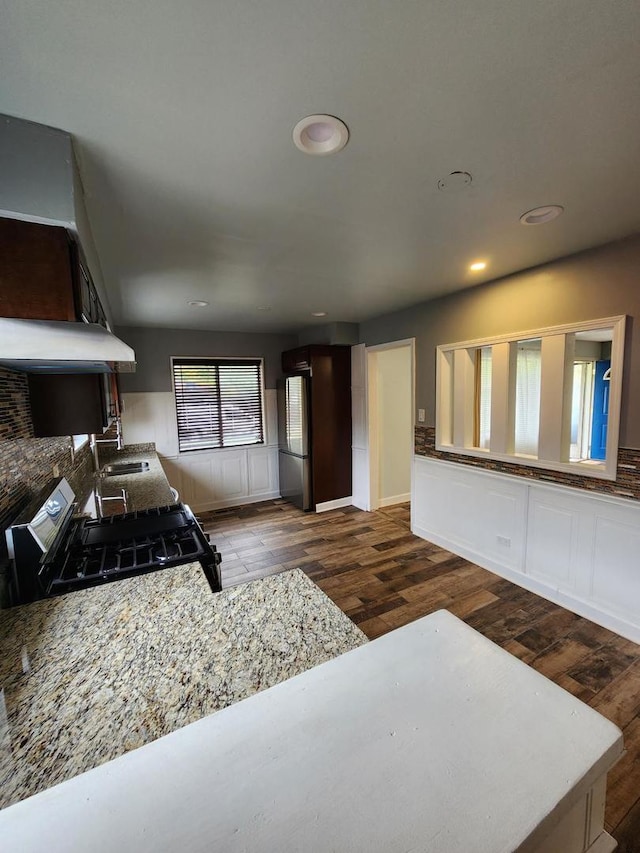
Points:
[422,415]
[504,540]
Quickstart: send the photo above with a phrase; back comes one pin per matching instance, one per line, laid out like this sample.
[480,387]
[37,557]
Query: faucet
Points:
[96,441]
[100,499]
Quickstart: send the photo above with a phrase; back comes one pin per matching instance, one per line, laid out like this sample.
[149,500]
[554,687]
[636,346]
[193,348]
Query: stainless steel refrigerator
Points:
[294,455]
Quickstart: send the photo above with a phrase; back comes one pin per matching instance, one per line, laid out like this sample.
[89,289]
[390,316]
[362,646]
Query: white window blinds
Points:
[218,402]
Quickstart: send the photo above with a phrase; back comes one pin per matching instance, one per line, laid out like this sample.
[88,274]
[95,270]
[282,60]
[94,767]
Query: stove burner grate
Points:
[97,552]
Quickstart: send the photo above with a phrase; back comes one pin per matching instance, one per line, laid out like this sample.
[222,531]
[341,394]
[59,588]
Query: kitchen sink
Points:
[125,468]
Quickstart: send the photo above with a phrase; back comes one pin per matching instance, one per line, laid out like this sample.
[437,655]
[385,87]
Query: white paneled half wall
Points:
[580,549]
[205,479]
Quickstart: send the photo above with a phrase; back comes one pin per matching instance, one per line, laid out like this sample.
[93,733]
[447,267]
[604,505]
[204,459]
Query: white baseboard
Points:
[394,499]
[604,843]
[207,506]
[325,506]
[570,602]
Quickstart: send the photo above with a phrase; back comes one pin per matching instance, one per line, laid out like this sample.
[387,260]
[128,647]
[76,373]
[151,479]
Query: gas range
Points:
[54,553]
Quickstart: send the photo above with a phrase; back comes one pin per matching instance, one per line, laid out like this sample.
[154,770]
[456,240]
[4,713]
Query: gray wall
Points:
[329,333]
[601,282]
[36,165]
[154,348]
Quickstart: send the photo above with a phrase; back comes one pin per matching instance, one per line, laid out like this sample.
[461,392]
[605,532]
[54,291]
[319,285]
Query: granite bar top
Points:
[93,674]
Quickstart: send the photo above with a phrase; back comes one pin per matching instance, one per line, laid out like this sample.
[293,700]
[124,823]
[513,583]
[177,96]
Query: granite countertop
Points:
[93,674]
[146,489]
[90,675]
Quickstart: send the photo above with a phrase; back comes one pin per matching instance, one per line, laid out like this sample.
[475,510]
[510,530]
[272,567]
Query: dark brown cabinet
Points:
[68,403]
[296,359]
[73,403]
[329,416]
[44,276]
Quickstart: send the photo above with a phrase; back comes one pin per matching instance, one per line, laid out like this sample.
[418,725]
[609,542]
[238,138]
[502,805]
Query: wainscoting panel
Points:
[553,541]
[462,510]
[428,491]
[263,471]
[224,478]
[576,548]
[616,564]
[205,479]
[503,528]
[461,514]
[231,482]
[198,482]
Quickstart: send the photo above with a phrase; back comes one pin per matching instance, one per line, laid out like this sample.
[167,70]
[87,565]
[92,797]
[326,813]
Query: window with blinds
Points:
[218,402]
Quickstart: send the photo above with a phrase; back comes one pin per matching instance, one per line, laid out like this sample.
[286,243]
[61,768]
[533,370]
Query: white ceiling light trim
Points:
[197,303]
[320,135]
[540,215]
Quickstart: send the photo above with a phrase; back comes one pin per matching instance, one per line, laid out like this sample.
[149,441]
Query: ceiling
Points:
[183,112]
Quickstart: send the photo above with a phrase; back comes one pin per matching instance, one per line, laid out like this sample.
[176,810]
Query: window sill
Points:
[586,468]
[203,451]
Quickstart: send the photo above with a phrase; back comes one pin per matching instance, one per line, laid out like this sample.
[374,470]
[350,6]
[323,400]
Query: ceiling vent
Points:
[455,182]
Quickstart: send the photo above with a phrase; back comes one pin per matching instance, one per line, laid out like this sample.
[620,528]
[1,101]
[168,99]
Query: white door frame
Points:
[366,475]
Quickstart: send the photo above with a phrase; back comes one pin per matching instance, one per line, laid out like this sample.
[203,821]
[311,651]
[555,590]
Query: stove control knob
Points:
[207,537]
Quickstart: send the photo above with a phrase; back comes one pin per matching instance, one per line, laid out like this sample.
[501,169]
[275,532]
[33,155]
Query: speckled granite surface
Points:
[146,489]
[114,667]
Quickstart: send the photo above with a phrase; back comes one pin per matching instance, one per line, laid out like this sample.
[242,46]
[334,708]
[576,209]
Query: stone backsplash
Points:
[627,484]
[26,463]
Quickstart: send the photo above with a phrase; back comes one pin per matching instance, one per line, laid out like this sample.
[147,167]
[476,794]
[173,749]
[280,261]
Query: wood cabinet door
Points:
[67,404]
[36,281]
[296,359]
[331,422]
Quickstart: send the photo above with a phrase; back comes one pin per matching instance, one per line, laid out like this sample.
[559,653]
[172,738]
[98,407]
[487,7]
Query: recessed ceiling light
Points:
[318,313]
[197,303]
[320,134]
[477,266]
[540,215]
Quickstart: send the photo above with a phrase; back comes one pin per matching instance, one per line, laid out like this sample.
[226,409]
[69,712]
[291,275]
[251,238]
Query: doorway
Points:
[383,408]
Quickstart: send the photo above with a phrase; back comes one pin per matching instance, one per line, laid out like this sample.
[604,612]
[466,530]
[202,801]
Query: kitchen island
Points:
[429,739]
[93,674]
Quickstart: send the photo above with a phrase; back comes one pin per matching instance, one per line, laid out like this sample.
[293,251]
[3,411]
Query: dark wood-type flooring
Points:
[382,576]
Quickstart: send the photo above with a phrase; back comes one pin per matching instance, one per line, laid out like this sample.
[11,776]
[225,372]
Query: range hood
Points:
[55,346]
